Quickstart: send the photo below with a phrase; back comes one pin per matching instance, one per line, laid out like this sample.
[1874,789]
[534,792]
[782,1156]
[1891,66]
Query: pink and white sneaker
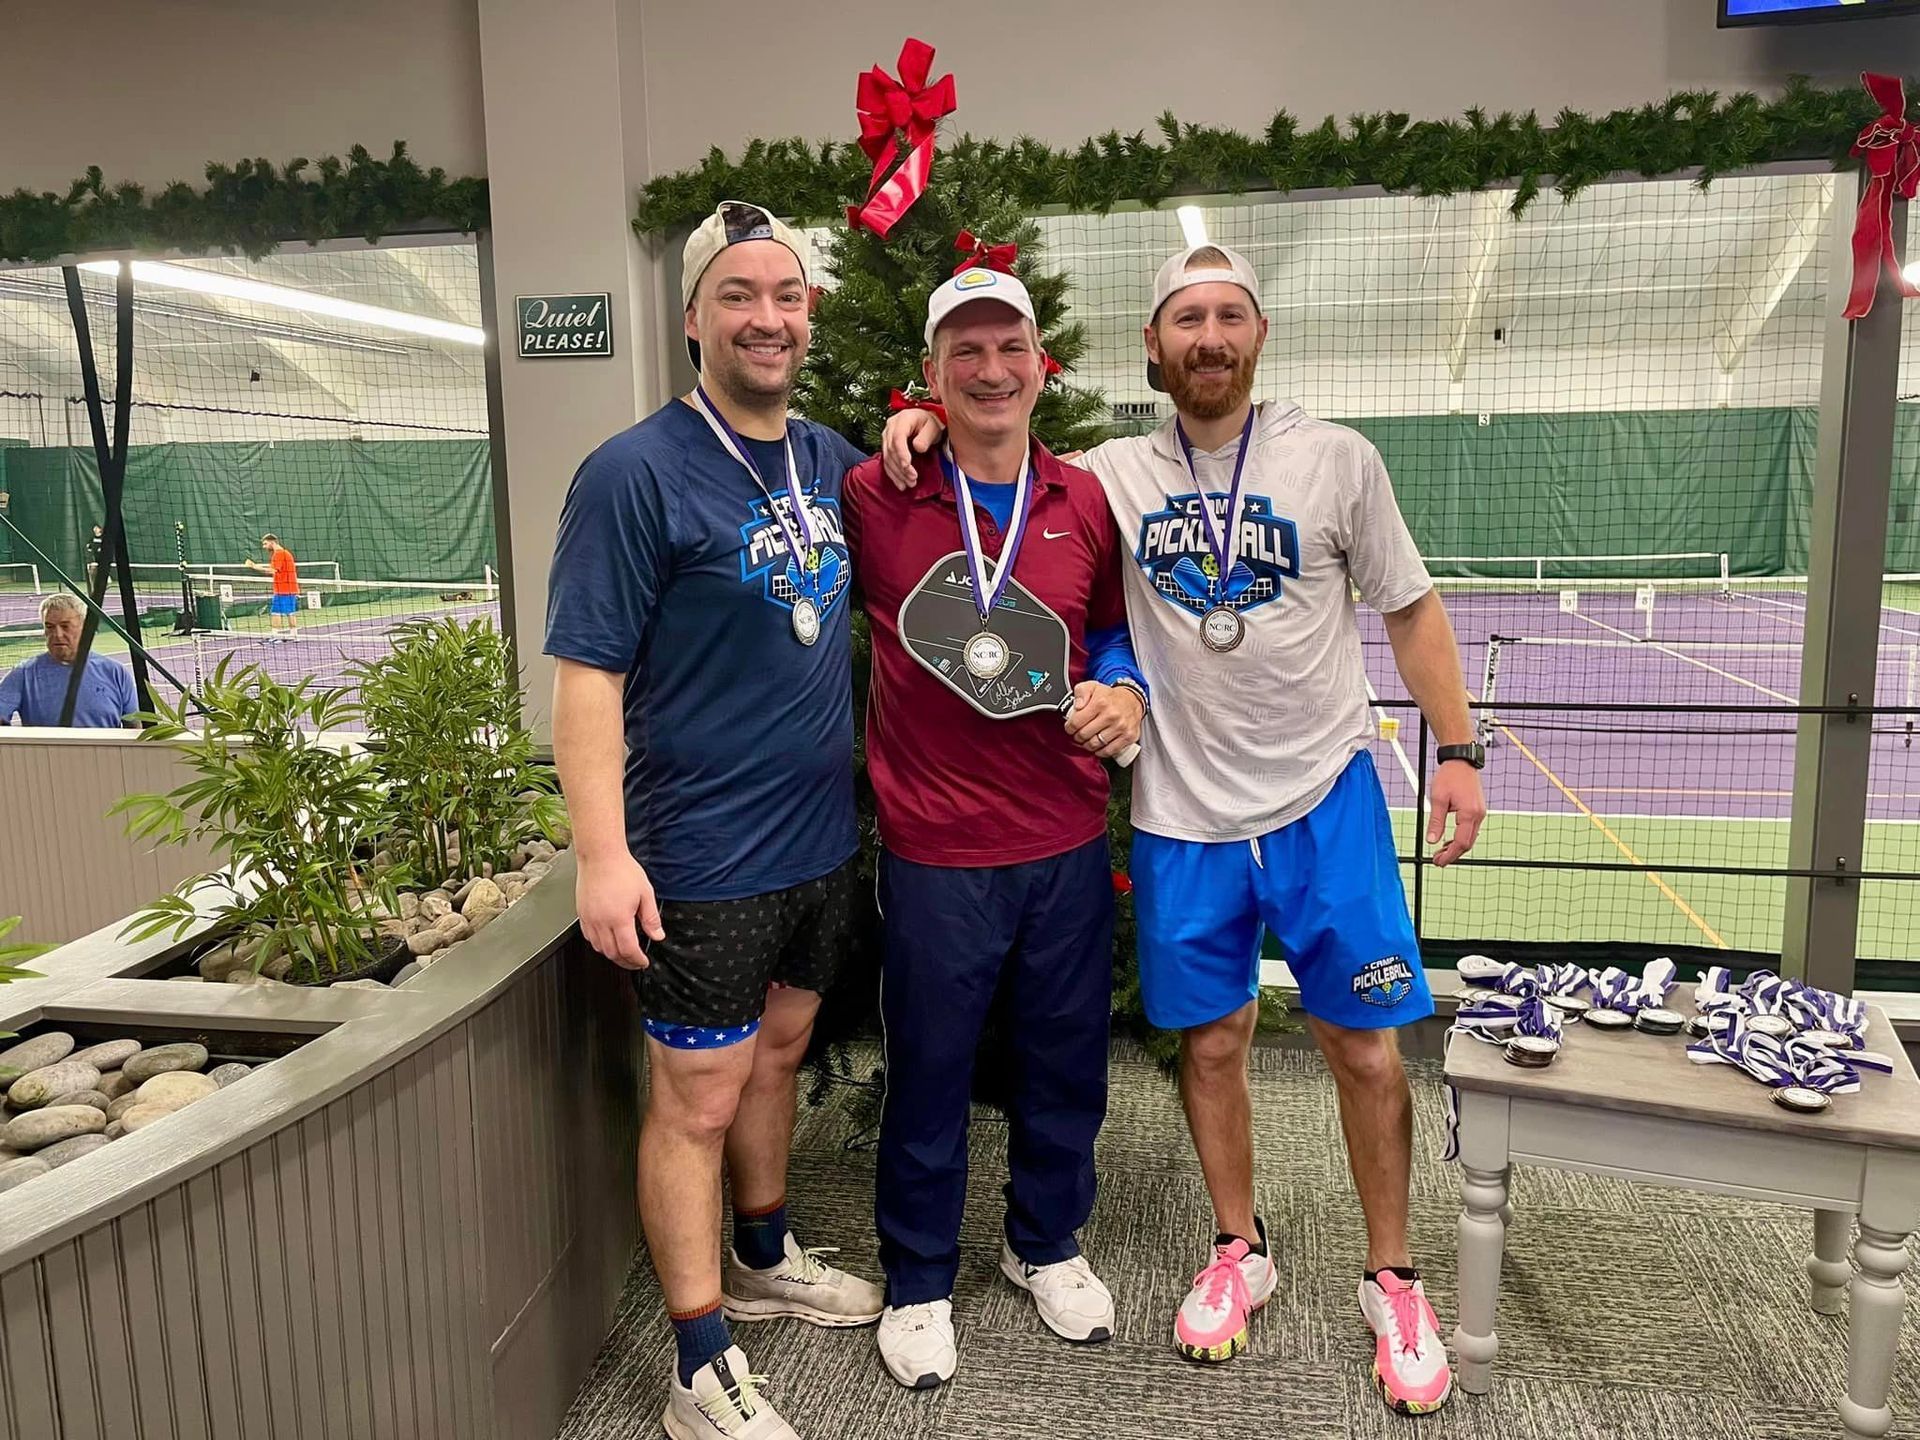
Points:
[1409,1359]
[1211,1324]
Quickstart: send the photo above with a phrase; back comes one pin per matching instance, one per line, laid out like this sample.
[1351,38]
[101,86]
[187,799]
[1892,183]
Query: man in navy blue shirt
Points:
[698,607]
[36,690]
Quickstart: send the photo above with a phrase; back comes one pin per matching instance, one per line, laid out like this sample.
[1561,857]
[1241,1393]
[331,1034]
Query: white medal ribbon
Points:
[988,577]
[797,531]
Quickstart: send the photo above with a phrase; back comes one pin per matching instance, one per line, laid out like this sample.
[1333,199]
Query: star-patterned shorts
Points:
[706,984]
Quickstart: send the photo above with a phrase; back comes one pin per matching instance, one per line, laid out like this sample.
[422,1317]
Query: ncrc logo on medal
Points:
[564,325]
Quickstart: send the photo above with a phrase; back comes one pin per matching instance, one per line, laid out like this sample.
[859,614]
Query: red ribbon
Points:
[1891,148]
[988,257]
[886,107]
[900,400]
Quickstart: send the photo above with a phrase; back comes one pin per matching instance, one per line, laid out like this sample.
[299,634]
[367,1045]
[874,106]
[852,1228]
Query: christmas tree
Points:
[867,329]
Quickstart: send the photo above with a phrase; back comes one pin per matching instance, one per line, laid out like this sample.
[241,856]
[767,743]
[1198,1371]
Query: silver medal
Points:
[1799,1097]
[1222,629]
[1828,1039]
[806,621]
[1778,1026]
[1609,1019]
[1532,1051]
[1658,1021]
[986,655]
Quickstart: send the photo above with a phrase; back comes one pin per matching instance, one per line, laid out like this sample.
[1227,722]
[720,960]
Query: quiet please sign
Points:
[557,325]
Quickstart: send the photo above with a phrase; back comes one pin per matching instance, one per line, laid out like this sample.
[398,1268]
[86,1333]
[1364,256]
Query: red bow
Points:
[887,106]
[988,257]
[1122,883]
[1891,148]
[1053,366]
[900,400]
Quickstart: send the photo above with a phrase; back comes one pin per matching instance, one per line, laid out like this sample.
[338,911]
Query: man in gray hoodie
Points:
[1255,801]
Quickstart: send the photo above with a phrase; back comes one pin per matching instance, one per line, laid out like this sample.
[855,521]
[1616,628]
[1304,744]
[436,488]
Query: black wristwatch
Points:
[1474,753]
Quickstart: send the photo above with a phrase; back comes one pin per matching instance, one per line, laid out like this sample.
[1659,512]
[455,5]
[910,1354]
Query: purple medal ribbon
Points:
[797,530]
[1222,538]
[1614,989]
[988,588]
[1561,979]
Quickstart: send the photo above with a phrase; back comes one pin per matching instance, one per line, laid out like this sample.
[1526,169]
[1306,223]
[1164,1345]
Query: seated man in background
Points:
[36,690]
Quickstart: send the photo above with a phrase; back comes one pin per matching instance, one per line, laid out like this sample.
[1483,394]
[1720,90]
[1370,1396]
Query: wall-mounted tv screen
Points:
[1794,12]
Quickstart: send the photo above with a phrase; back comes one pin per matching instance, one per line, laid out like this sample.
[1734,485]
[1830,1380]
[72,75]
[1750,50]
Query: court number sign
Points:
[564,325]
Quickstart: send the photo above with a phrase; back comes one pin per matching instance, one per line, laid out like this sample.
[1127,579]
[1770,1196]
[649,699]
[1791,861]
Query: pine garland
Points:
[1696,131]
[249,207]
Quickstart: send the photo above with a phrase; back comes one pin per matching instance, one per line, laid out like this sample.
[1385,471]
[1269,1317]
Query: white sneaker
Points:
[1068,1295]
[916,1344]
[723,1400]
[1211,1324]
[800,1287]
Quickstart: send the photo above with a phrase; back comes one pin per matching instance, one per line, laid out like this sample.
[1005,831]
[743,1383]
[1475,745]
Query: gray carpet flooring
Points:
[1628,1312]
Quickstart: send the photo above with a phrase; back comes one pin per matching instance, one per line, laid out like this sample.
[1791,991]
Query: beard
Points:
[1214,396]
[751,386]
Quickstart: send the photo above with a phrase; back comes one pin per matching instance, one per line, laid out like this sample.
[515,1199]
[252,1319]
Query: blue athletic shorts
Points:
[285,604]
[1328,889]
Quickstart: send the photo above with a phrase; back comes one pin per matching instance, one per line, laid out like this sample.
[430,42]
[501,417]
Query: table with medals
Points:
[1764,1088]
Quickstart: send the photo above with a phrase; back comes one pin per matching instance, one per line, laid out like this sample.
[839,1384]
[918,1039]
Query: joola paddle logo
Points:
[1385,982]
[822,575]
[1172,549]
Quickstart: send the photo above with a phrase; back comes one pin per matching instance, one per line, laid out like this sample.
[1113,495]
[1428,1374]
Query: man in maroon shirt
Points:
[997,573]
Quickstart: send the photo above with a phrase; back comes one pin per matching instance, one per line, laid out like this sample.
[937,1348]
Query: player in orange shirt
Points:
[286,588]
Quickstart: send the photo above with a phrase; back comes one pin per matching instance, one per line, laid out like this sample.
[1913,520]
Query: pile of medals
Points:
[1807,1045]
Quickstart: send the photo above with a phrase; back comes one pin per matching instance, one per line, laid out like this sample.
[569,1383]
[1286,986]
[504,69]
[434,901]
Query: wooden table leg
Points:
[1888,1205]
[1827,1266]
[1484,1170]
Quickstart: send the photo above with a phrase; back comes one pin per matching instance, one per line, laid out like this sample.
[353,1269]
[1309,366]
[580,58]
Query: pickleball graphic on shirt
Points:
[939,617]
[821,575]
[1172,548]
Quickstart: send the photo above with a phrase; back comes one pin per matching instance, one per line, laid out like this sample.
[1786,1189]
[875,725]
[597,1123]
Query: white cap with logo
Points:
[1174,277]
[732,222]
[976,282]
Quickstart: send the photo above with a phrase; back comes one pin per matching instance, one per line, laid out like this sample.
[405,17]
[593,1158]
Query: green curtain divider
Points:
[1634,482]
[384,509]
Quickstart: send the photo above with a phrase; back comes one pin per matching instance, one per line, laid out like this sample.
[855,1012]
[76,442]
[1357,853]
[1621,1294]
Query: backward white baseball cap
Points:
[732,222]
[1174,277]
[976,282]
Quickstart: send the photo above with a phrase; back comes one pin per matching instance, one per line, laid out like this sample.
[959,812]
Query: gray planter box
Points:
[414,1224]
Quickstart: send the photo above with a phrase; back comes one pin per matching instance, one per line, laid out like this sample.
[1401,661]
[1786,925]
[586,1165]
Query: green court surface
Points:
[1741,912]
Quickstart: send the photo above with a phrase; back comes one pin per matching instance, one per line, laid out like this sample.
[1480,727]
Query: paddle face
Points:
[939,624]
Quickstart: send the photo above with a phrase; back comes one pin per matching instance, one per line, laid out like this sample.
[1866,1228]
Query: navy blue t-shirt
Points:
[671,570]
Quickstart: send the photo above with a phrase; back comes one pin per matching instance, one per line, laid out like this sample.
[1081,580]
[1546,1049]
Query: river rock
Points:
[120,1104]
[454,927]
[62,1151]
[162,1058]
[482,894]
[141,1116]
[407,971]
[174,1089]
[362,984]
[225,1075]
[439,955]
[50,1125]
[540,851]
[425,942]
[38,1087]
[394,929]
[83,1097]
[279,967]
[109,1056]
[512,887]
[258,982]
[461,895]
[220,962]
[435,904]
[536,871]
[115,1084]
[114,1130]
[409,905]
[18,1172]
[34,1054]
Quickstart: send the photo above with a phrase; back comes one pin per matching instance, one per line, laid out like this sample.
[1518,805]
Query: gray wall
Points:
[166,88]
[66,867]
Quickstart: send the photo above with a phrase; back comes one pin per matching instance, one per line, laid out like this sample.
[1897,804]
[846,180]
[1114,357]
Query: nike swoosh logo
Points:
[1055,534]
